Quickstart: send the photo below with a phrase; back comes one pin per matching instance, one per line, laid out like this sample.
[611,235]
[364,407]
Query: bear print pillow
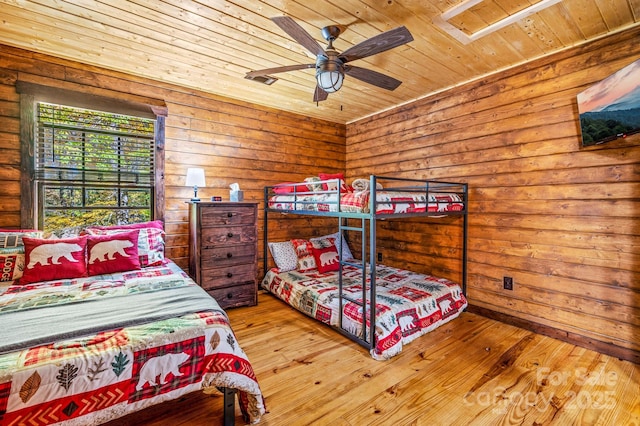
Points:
[107,254]
[325,254]
[47,260]
[150,239]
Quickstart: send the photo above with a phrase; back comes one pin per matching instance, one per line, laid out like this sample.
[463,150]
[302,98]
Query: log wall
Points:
[562,221]
[232,141]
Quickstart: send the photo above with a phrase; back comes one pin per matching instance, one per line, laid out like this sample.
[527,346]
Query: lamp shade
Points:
[195,177]
[330,81]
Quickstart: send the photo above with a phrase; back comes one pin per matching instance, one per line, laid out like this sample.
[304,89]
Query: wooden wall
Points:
[561,220]
[232,141]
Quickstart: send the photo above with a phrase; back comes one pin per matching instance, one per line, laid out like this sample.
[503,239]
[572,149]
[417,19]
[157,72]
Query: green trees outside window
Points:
[92,167]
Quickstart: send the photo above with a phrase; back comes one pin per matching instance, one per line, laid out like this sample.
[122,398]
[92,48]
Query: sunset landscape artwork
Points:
[610,109]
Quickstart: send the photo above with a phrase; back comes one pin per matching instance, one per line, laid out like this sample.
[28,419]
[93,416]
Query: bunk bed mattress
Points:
[408,304]
[89,378]
[388,202]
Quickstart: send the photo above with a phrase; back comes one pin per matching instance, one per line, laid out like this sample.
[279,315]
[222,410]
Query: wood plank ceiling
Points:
[210,45]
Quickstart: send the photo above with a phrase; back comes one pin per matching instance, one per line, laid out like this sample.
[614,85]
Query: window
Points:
[89,159]
[92,167]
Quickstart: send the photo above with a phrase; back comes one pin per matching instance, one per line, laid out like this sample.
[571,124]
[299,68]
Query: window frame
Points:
[31,94]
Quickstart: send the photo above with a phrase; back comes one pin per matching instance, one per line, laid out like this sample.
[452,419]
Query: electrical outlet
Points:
[379,257]
[507,283]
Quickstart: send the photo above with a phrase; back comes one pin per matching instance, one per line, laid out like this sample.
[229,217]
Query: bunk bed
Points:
[377,306]
[97,326]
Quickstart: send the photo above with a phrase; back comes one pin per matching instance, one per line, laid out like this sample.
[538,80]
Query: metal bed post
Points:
[264,233]
[341,260]
[372,260]
[465,232]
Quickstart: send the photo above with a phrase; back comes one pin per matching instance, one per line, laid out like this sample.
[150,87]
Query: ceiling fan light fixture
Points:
[330,81]
[331,66]
[329,74]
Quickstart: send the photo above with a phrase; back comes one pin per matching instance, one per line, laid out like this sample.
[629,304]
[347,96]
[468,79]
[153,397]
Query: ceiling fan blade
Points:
[372,77]
[376,44]
[275,70]
[298,33]
[319,95]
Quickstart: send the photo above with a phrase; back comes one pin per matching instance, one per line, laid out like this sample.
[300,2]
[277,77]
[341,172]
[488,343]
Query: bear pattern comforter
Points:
[408,304]
[90,377]
[388,202]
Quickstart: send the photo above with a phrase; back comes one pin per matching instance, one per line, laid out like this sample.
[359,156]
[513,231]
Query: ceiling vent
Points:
[264,79]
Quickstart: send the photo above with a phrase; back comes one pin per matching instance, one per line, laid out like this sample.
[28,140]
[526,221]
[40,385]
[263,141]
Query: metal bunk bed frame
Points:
[367,339]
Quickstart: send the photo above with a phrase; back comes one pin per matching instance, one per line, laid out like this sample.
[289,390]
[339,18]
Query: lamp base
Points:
[195,194]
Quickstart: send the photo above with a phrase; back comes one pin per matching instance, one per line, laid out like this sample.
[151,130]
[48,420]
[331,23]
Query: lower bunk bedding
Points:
[408,304]
[84,351]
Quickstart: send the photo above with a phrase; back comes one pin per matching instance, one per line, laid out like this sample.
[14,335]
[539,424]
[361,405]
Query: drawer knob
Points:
[229,274]
[230,234]
[229,295]
[229,214]
[229,255]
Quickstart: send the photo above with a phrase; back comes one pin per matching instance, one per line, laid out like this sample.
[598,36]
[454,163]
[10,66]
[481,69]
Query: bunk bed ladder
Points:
[366,338]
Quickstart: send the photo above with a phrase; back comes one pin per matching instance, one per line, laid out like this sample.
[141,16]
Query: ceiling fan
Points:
[332,66]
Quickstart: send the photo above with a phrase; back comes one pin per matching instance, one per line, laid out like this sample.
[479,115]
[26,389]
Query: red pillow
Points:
[11,265]
[47,260]
[331,186]
[150,239]
[327,258]
[107,254]
[285,188]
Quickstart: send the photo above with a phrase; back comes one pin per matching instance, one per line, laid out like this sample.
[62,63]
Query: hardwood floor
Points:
[472,370]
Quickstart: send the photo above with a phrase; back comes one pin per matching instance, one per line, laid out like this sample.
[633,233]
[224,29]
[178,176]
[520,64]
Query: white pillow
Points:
[284,254]
[341,243]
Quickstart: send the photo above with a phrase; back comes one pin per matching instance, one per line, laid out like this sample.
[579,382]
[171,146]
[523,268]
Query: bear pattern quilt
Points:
[408,304]
[89,379]
[388,202]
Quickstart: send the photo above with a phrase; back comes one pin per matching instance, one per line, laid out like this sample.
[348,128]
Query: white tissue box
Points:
[236,195]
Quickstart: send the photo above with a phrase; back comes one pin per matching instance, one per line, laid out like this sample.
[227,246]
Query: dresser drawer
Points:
[223,246]
[216,257]
[227,215]
[239,295]
[212,237]
[226,276]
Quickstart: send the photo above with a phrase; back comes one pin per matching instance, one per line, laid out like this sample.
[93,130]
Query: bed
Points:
[82,345]
[407,198]
[378,306]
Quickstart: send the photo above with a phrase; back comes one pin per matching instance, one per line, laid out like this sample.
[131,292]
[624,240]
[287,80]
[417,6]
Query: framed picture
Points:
[610,109]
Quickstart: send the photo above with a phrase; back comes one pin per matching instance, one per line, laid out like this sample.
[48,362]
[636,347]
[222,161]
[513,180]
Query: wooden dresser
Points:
[222,251]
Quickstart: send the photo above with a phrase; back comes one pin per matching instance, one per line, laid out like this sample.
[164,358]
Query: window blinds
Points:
[84,147]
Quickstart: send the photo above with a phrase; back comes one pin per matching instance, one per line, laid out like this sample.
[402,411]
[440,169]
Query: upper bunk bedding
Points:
[327,195]
[408,304]
[89,349]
